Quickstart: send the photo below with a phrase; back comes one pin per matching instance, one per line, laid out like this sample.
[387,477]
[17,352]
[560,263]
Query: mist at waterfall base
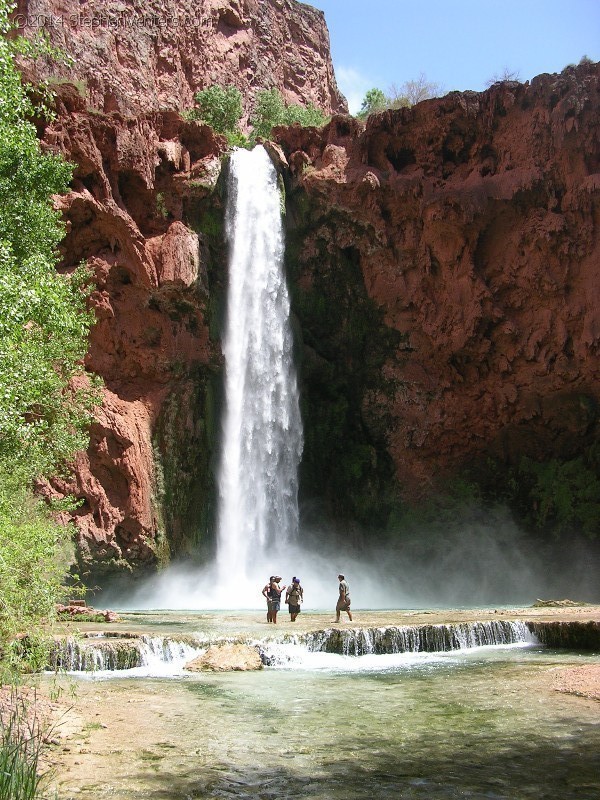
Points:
[480,563]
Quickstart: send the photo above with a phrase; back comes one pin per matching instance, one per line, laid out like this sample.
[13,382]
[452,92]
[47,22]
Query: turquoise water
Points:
[480,724]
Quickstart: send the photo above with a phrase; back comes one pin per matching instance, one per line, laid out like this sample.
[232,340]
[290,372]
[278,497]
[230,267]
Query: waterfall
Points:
[262,429]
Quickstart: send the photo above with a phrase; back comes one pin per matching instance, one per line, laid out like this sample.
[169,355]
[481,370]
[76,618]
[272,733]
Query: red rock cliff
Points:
[445,269]
[135,179]
[474,225]
[156,56]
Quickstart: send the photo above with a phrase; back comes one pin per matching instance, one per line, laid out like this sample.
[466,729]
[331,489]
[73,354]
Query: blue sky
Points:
[458,44]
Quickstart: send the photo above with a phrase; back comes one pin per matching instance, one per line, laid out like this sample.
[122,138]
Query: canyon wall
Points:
[155,57]
[443,266]
[147,470]
[145,213]
[445,263]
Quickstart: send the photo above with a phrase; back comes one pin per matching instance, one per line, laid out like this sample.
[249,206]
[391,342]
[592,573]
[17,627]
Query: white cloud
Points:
[353,86]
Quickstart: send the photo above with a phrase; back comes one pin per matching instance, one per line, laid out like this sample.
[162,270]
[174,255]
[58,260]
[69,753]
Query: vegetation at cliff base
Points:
[45,396]
[221,108]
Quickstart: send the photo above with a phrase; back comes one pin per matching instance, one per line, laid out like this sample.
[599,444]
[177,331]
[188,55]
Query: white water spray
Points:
[262,428]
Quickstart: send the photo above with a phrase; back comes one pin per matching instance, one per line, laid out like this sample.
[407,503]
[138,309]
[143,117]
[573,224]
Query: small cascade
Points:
[167,655]
[405,639]
[108,654]
[83,655]
[156,650]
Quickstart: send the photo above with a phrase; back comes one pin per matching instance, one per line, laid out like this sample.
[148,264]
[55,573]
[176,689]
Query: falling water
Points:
[262,429]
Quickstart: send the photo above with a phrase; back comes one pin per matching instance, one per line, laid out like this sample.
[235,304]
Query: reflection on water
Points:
[483,724]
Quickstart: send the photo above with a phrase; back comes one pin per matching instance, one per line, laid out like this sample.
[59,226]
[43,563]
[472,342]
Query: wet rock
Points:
[570,635]
[556,603]
[226,658]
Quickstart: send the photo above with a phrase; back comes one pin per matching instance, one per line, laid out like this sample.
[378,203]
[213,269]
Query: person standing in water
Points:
[293,597]
[343,603]
[274,595]
[265,593]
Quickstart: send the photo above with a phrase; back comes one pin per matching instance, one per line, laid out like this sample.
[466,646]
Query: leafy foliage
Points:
[33,553]
[373,101]
[21,744]
[555,497]
[271,110]
[220,107]
[562,495]
[45,396]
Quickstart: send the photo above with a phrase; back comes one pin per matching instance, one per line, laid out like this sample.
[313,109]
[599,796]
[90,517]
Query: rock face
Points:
[132,58]
[443,270]
[445,264]
[146,469]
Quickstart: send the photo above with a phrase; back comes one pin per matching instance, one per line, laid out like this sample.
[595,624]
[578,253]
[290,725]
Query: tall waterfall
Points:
[262,428]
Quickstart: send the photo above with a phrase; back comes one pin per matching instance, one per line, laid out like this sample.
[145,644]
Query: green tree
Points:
[271,110]
[306,116]
[45,396]
[374,101]
[220,107]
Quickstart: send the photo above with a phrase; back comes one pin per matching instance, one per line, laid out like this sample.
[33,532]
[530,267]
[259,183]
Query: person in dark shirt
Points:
[273,594]
[265,593]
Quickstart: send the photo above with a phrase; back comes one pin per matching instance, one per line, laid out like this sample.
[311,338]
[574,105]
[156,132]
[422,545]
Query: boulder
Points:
[226,658]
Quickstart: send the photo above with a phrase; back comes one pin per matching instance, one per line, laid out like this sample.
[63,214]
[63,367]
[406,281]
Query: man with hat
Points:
[293,597]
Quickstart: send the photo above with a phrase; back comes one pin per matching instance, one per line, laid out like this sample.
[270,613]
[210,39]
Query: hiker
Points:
[343,603]
[265,593]
[274,595]
[293,597]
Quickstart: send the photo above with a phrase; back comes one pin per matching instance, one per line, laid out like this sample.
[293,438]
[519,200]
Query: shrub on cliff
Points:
[271,110]
[45,399]
[221,108]
[408,94]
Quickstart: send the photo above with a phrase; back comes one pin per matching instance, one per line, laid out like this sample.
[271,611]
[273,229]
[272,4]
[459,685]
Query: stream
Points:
[474,722]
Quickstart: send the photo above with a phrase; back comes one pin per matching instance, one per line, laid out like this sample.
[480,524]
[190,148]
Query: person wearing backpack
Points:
[293,597]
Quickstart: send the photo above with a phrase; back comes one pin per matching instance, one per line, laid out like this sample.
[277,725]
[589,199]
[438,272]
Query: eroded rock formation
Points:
[156,56]
[445,260]
[134,181]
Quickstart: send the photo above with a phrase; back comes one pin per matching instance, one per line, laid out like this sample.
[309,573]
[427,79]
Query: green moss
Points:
[183,446]
[345,344]
[281,188]
[161,207]
[210,224]
[553,496]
